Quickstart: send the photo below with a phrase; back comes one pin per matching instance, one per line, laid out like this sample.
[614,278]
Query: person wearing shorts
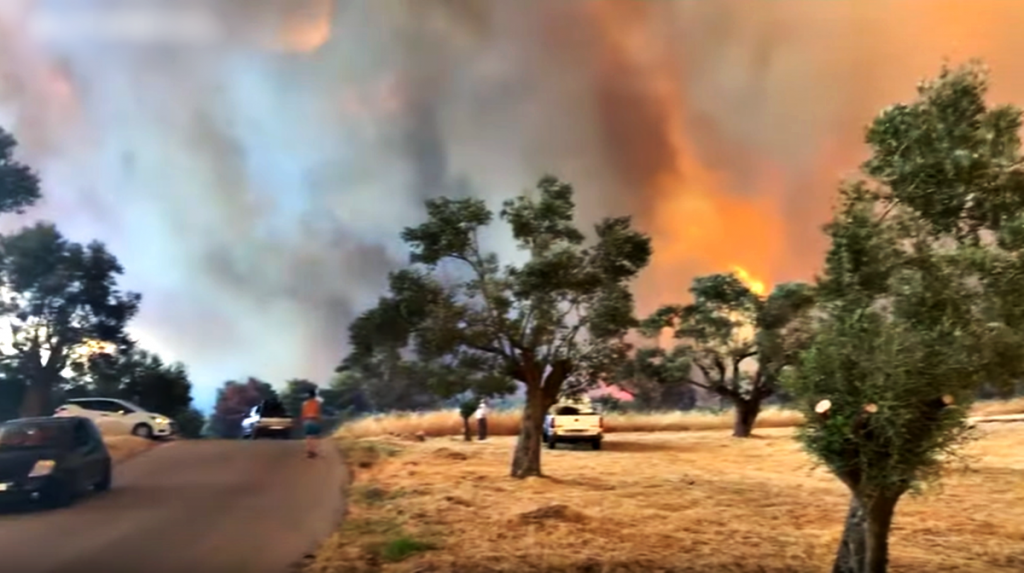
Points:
[311,420]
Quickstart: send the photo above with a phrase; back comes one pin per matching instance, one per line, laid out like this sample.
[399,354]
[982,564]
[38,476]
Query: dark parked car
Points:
[52,460]
[268,419]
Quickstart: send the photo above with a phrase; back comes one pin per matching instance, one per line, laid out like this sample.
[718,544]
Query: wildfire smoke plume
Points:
[255,189]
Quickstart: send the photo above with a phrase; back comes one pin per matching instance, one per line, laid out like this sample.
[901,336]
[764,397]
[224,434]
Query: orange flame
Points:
[699,221]
[757,287]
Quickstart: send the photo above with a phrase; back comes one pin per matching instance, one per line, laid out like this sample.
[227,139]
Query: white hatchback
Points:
[118,417]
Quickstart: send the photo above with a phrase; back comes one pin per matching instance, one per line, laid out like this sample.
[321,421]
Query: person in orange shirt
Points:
[311,419]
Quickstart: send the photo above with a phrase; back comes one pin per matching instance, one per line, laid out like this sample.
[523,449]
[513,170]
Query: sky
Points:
[252,162]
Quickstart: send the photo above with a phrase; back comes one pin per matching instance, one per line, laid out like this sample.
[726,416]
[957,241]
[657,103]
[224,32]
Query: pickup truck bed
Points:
[569,425]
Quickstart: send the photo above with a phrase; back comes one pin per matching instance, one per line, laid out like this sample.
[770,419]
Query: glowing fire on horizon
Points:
[756,286]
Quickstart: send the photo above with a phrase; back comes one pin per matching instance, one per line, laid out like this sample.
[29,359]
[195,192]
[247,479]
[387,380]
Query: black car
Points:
[52,460]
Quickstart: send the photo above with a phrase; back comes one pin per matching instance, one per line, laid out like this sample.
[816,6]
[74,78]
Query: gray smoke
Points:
[255,194]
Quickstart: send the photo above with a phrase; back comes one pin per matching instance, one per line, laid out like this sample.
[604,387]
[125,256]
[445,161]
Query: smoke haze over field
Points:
[254,187]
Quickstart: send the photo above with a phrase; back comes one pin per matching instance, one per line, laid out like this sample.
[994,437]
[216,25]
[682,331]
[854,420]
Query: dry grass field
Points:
[506,423]
[657,502]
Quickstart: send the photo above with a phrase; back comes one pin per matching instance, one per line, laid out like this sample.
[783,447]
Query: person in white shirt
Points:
[481,420]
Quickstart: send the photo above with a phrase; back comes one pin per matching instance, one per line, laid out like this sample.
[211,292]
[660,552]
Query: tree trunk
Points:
[879,513]
[746,414]
[864,547]
[850,556]
[466,431]
[526,459]
[36,401]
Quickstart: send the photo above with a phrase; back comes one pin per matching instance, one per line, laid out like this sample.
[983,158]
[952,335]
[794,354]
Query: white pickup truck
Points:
[572,422]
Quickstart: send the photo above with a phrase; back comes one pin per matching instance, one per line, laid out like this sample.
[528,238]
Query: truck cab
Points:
[573,421]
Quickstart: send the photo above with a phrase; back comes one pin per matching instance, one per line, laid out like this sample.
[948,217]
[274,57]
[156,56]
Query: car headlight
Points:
[161,420]
[42,468]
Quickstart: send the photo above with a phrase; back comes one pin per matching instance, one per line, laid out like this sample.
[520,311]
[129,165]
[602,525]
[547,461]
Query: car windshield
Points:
[20,435]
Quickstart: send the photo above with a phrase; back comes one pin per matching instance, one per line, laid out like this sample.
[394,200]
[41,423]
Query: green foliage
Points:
[568,304]
[919,302]
[19,185]
[558,319]
[138,376]
[468,407]
[875,359]
[295,392]
[58,296]
[729,340]
[190,423]
[565,305]
[404,547]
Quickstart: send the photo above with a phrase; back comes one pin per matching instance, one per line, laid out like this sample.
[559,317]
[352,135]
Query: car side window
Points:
[85,404]
[83,437]
[107,406]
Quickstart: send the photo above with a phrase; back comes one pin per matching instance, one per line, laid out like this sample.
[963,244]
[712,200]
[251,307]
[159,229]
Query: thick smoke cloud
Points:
[255,187]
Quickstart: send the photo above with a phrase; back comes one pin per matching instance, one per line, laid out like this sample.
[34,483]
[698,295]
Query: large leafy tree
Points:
[58,297]
[138,376]
[919,301]
[556,320]
[391,377]
[378,366]
[19,188]
[234,400]
[646,391]
[729,341]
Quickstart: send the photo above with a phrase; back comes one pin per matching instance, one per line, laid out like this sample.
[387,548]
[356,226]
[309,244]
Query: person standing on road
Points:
[311,419]
[481,419]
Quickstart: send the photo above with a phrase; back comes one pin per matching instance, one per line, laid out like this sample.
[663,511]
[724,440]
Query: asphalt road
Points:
[200,507]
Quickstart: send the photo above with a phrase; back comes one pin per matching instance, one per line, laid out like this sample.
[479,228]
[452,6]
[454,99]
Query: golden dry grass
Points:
[999,408]
[506,423]
[124,447]
[693,502]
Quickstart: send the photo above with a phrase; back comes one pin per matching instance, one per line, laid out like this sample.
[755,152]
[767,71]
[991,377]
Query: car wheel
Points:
[143,431]
[596,444]
[105,480]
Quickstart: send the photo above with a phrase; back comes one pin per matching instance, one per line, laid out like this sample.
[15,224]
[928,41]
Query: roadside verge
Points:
[125,447]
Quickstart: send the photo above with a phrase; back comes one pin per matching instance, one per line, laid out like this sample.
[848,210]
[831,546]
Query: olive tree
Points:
[918,303]
[728,341]
[555,321]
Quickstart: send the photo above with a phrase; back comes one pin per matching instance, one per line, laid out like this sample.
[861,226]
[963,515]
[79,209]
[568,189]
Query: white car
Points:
[117,417]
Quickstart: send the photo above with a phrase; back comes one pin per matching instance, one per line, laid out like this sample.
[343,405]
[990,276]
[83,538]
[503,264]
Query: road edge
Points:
[344,481]
[132,453]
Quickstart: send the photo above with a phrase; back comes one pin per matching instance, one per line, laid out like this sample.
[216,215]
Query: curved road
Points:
[202,506]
